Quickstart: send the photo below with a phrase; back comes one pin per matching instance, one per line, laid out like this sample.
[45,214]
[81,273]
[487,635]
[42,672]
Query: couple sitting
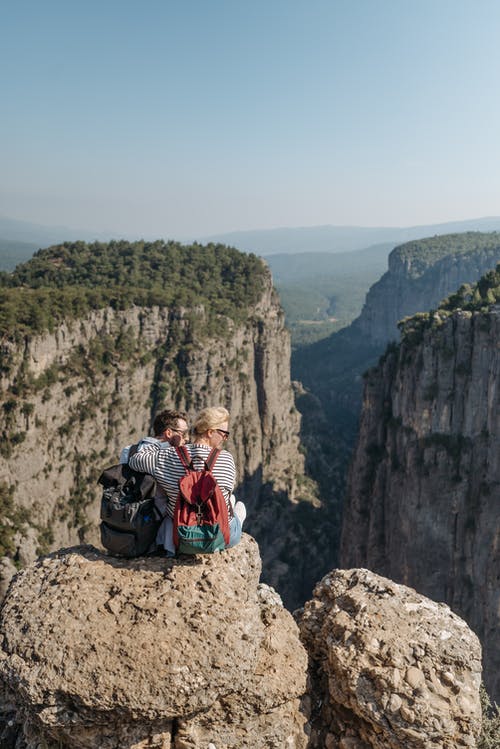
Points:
[159,457]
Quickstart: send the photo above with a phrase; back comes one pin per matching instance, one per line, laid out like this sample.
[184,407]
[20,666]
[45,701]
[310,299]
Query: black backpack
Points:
[129,518]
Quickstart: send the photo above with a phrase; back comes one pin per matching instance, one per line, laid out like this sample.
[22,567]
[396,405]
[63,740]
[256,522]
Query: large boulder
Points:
[390,669]
[102,653]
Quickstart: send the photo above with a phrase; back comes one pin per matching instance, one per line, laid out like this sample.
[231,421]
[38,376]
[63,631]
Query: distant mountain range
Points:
[19,239]
[43,235]
[341,238]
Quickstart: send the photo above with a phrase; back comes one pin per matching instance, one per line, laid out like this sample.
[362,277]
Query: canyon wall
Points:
[74,396]
[424,483]
[420,275]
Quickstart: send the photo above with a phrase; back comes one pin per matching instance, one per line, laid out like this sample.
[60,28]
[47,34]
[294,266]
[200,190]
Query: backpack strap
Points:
[132,451]
[185,458]
[209,464]
[210,461]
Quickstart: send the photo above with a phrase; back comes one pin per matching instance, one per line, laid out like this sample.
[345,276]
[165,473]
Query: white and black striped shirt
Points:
[162,462]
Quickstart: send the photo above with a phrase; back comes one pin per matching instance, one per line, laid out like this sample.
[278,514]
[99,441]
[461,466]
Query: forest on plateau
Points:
[421,254]
[66,281]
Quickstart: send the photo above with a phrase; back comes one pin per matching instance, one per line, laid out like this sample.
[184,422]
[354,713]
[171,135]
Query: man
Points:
[171,428]
[168,426]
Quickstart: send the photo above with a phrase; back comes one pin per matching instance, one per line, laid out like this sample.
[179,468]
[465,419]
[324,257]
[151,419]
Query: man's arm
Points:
[145,459]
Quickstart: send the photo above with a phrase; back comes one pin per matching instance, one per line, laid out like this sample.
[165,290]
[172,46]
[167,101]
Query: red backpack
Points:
[201,518]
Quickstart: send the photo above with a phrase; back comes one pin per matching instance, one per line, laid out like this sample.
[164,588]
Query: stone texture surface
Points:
[390,669]
[99,653]
[424,485]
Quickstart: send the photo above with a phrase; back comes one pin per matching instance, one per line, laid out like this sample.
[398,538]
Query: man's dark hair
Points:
[167,420]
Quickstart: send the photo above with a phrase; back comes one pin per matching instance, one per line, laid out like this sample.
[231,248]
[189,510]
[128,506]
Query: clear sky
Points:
[190,117]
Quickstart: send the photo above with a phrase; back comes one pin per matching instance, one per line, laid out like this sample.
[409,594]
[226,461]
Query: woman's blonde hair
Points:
[210,418]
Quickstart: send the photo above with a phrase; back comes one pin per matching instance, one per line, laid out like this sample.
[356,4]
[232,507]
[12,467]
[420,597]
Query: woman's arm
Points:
[225,473]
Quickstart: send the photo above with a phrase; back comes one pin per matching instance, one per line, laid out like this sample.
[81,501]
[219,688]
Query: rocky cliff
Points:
[95,339]
[420,275]
[187,654]
[424,484]
[74,394]
[388,668]
[192,653]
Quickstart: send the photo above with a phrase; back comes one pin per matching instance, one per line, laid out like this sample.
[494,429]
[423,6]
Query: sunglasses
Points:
[182,432]
[223,433]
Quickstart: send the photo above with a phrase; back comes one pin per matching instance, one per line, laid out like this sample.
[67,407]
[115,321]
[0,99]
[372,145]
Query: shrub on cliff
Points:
[490,733]
[476,297]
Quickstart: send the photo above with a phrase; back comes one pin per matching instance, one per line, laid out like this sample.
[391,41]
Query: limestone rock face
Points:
[390,669]
[418,284]
[99,653]
[94,386]
[424,484]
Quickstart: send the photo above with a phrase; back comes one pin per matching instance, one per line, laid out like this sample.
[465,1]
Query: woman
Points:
[211,429]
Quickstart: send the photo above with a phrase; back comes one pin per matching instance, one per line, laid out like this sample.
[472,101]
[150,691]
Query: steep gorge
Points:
[421,273]
[424,484]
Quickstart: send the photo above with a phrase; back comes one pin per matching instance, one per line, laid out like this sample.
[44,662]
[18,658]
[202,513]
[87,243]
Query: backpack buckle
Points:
[199,514]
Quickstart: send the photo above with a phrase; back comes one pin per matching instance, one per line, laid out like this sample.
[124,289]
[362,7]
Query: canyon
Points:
[423,485]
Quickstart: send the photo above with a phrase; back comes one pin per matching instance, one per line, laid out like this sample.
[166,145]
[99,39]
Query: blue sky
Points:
[186,118]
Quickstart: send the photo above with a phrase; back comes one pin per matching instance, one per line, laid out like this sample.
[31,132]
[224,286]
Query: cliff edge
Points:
[99,653]
[76,391]
[389,669]
[194,653]
[422,273]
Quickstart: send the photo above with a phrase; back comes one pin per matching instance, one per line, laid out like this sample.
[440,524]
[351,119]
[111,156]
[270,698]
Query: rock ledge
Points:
[127,654]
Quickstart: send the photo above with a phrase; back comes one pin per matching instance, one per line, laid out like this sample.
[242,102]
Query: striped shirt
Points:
[162,462]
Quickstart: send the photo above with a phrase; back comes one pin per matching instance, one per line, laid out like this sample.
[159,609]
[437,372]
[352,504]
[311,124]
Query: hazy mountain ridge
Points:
[44,234]
[330,238]
[290,268]
[290,240]
[323,292]
[13,252]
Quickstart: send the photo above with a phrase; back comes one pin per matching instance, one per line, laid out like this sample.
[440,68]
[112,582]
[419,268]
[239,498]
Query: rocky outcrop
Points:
[420,275]
[423,489]
[389,668]
[194,653]
[73,397]
[99,653]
